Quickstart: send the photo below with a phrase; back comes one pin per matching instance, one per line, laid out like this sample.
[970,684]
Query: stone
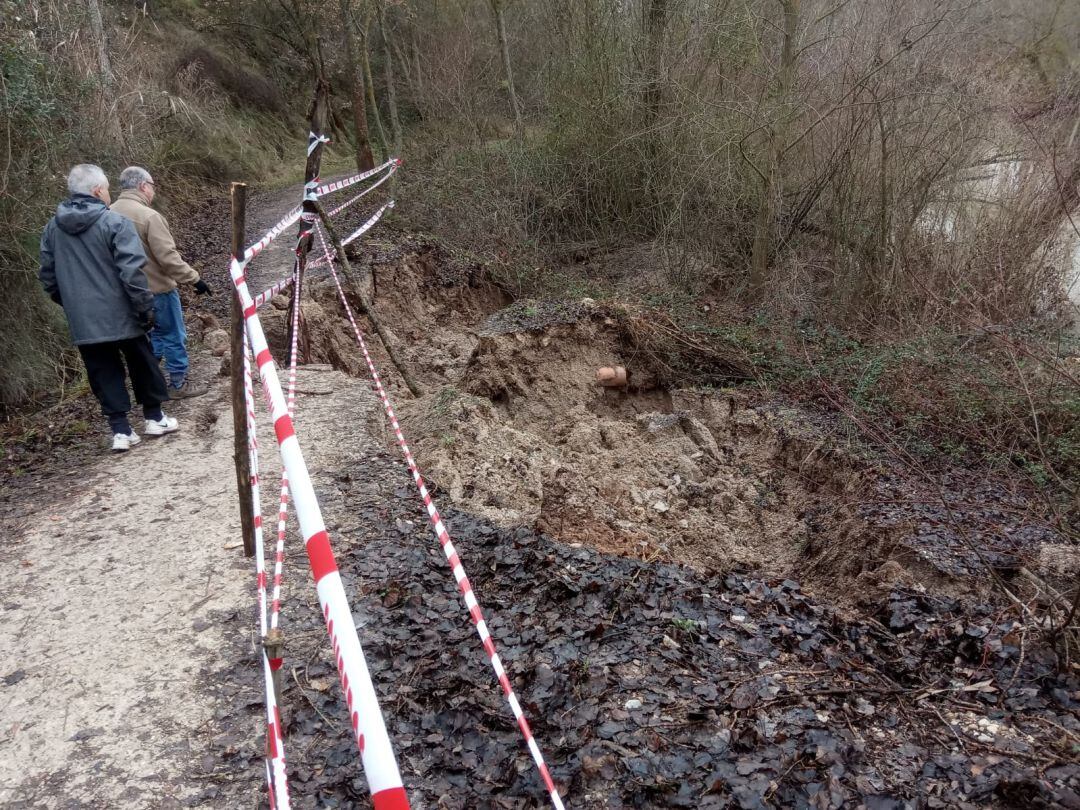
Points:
[217,341]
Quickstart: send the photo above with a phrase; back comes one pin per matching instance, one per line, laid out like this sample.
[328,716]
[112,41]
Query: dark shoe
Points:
[186,391]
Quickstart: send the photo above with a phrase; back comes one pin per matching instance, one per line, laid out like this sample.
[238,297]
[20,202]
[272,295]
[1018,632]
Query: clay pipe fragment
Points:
[611,376]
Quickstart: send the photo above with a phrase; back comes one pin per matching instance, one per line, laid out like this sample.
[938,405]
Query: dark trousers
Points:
[105,369]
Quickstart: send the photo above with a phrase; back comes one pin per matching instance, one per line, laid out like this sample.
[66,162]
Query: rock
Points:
[660,506]
[657,422]
[632,704]
[699,434]
[217,341]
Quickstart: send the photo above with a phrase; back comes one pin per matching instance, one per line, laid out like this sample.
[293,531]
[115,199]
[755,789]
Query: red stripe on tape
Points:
[271,742]
[321,555]
[283,427]
[391,799]
[249,311]
[263,358]
[523,724]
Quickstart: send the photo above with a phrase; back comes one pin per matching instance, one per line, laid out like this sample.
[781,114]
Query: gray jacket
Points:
[91,264]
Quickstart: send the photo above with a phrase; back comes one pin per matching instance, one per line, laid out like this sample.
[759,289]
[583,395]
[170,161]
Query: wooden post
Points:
[305,234]
[365,305]
[238,196]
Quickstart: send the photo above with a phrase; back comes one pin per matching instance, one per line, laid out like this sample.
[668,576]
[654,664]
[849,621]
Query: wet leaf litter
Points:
[656,686]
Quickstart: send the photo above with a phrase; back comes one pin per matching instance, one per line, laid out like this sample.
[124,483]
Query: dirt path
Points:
[115,589]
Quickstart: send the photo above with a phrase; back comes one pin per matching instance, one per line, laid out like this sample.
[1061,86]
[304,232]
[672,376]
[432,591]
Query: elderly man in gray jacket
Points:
[91,264]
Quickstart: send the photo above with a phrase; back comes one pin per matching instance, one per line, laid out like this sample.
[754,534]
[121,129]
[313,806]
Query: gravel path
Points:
[118,574]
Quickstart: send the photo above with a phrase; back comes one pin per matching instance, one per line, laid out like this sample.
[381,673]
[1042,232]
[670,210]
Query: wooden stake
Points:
[317,123]
[238,196]
[365,305]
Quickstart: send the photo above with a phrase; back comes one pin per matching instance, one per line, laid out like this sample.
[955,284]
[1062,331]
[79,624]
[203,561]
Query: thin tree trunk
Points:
[369,85]
[504,49]
[105,72]
[391,90]
[305,233]
[766,216]
[403,60]
[97,28]
[416,65]
[655,24]
[364,159]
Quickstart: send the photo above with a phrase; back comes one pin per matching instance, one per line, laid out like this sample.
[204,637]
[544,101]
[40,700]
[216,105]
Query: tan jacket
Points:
[164,268]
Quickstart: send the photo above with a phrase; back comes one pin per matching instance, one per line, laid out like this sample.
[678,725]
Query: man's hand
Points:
[202,288]
[146,320]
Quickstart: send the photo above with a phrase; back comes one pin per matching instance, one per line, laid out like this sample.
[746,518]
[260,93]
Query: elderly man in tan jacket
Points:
[164,270]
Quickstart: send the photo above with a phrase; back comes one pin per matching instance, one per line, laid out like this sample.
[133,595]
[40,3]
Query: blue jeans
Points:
[168,336]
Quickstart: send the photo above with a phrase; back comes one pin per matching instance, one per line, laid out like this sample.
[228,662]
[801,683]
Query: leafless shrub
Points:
[242,86]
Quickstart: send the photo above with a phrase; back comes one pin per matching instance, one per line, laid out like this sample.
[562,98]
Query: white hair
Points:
[86,177]
[133,177]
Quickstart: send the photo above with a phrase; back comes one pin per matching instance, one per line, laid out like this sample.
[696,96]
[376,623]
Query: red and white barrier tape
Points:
[338,185]
[352,237]
[443,537]
[275,749]
[271,291]
[294,215]
[365,192]
[380,765]
[253,483]
[283,507]
[271,235]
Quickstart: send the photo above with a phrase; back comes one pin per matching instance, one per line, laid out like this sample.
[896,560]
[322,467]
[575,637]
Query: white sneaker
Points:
[122,442]
[167,424]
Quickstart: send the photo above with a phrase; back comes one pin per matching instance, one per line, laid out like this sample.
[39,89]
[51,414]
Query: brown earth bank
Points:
[512,426]
[705,597]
